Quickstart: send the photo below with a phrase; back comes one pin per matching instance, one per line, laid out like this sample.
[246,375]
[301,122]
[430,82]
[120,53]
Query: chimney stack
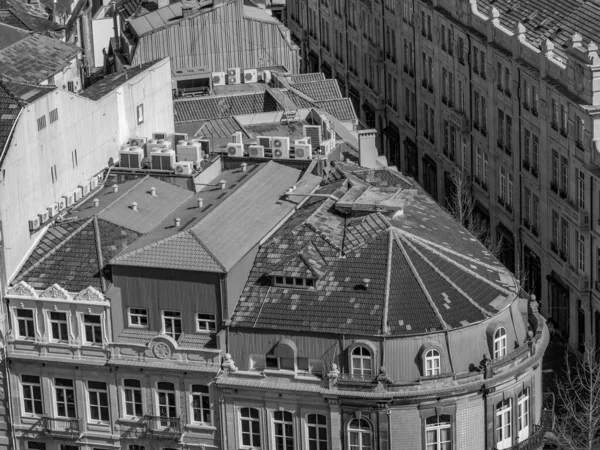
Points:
[115,188]
[367,150]
[200,203]
[96,202]
[177,222]
[223,183]
[153,191]
[134,206]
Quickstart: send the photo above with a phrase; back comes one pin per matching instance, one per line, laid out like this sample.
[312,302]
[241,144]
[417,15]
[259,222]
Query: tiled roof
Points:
[9,111]
[110,82]
[126,8]
[212,107]
[35,58]
[424,271]
[341,108]
[140,336]
[24,16]
[320,90]
[197,341]
[218,131]
[68,254]
[235,226]
[306,77]
[11,34]
[182,251]
[28,92]
[299,101]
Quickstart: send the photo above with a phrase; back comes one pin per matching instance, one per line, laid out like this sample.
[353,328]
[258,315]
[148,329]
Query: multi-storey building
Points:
[503,90]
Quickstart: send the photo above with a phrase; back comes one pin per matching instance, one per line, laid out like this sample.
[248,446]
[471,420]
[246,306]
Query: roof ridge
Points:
[445,277]
[385,328]
[415,273]
[55,249]
[124,255]
[211,254]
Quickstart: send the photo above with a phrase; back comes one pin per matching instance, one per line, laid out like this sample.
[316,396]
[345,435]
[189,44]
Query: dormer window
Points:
[283,356]
[500,341]
[431,365]
[294,282]
[361,361]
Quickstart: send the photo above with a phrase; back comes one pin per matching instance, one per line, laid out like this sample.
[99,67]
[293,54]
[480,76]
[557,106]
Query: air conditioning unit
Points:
[69,200]
[218,78]
[315,133]
[327,147]
[303,151]
[237,137]
[159,135]
[256,151]
[162,160]
[250,76]
[34,224]
[191,151]
[131,157]
[93,183]
[137,141]
[180,137]
[85,188]
[280,143]
[153,146]
[266,76]
[77,194]
[233,75]
[166,142]
[184,168]
[265,141]
[235,149]
[52,210]
[303,141]
[44,217]
[204,145]
[62,204]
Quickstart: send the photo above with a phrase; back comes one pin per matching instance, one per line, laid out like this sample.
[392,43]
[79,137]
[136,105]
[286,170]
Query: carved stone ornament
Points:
[55,291]
[90,294]
[161,350]
[22,289]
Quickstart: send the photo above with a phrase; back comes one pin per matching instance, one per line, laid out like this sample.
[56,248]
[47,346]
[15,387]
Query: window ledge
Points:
[200,427]
[130,420]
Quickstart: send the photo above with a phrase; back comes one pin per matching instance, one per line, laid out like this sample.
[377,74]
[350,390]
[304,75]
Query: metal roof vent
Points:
[115,188]
[244,167]
[177,222]
[96,202]
[134,206]
[223,183]
[366,282]
[153,191]
[200,203]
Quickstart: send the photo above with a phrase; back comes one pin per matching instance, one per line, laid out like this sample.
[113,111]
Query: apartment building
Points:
[505,91]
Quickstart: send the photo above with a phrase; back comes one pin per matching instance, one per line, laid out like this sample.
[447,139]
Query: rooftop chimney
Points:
[115,188]
[153,191]
[177,222]
[200,203]
[367,150]
[366,282]
[244,167]
[134,206]
[96,202]
[222,183]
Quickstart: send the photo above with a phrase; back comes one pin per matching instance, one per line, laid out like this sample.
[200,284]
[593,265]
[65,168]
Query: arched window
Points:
[500,343]
[250,427]
[361,361]
[284,430]
[438,432]
[431,363]
[359,434]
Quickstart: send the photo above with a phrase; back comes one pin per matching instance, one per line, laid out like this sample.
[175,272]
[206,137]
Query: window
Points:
[74,160]
[250,426]
[564,177]
[93,328]
[53,174]
[438,431]
[65,398]
[527,207]
[563,120]
[200,403]
[41,123]
[32,394]
[476,60]
[555,171]
[580,328]
[25,323]
[500,343]
[133,398]
[554,115]
[58,325]
[483,115]
[503,424]
[432,363]
[284,430]
[53,115]
[555,230]
[361,361]
[167,406]
[564,230]
[461,50]
[138,317]
[172,324]
[359,434]
[70,86]
[534,100]
[581,252]
[535,218]
[523,415]
[98,396]
[206,322]
[32,445]
[140,114]
[317,431]
[527,90]
[580,189]
[579,131]
[535,154]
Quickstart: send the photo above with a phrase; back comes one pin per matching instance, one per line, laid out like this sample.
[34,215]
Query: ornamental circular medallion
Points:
[161,350]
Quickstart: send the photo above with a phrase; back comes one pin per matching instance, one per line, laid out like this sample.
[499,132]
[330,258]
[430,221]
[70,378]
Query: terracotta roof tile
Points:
[341,108]
[306,77]
[10,108]
[320,90]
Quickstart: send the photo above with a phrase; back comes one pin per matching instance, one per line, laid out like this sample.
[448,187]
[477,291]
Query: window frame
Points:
[167,404]
[203,410]
[133,402]
[98,399]
[29,323]
[93,327]
[252,433]
[140,113]
[360,432]
[437,357]
[59,322]
[286,424]
[361,370]
[138,314]
[66,403]
[438,427]
[174,335]
[523,413]
[503,421]
[32,397]
[500,342]
[319,443]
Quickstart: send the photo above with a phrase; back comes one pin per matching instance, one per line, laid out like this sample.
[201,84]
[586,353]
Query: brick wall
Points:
[470,432]
[406,429]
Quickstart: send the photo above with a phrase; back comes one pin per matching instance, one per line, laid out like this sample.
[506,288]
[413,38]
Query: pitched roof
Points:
[213,107]
[68,254]
[306,77]
[319,90]
[218,131]
[110,82]
[235,226]
[341,109]
[424,271]
[11,34]
[28,92]
[25,16]
[35,58]
[10,108]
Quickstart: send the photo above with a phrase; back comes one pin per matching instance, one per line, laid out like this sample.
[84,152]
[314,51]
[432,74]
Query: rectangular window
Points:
[461,50]
[563,120]
[565,238]
[167,406]
[206,322]
[250,427]
[555,229]
[580,189]
[98,397]
[53,115]
[527,206]
[32,445]
[478,163]
[53,174]
[284,430]
[476,60]
[508,140]
[579,131]
[581,252]
[483,115]
[485,168]
[555,170]
[509,190]
[41,123]
[133,398]
[554,116]
[172,323]
[65,398]
[527,90]
[564,176]
[32,394]
[138,317]
[535,154]
[25,323]
[534,100]
[536,212]
[499,70]
[507,81]
[503,183]
[201,404]
[93,328]
[527,145]
[482,65]
[500,128]
[59,327]
[504,424]
[461,99]
[438,433]
[317,431]
[477,108]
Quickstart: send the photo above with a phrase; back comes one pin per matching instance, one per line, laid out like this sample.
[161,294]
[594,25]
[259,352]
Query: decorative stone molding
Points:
[22,289]
[229,364]
[55,291]
[161,350]
[90,294]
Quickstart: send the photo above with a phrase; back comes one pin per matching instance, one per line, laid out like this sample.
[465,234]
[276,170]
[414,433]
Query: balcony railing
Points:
[165,427]
[62,427]
[353,378]
[533,442]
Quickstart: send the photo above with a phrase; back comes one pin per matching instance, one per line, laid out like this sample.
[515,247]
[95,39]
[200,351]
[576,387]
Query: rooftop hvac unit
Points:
[180,137]
[315,133]
[191,151]
[204,145]
[154,146]
[250,76]
[34,224]
[237,137]
[62,204]
[184,168]
[256,151]
[218,78]
[327,147]
[162,160]
[233,75]
[280,143]
[69,200]
[159,135]
[166,142]
[265,141]
[85,188]
[132,157]
[93,183]
[236,150]
[77,194]
[303,151]
[137,141]
[44,217]
[52,210]
[302,141]
[266,76]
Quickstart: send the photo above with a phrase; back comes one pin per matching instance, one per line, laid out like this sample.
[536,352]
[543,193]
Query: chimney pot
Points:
[96,202]
[244,166]
[177,222]
[366,282]
[134,206]
[115,188]
[153,191]
[223,183]
[200,203]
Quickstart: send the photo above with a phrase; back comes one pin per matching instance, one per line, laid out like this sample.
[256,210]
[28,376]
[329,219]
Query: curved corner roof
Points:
[425,272]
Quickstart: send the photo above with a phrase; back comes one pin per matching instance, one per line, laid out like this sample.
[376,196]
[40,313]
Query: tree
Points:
[577,424]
